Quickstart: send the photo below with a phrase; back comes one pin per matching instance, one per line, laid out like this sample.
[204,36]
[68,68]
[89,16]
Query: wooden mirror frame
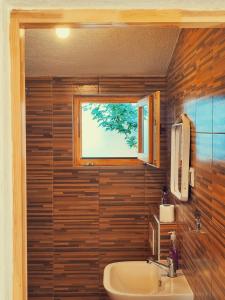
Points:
[180,157]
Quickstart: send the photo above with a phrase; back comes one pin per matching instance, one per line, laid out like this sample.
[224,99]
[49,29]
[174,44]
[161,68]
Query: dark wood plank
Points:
[196,85]
[80,219]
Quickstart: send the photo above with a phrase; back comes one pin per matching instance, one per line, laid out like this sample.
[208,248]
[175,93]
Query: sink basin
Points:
[137,280]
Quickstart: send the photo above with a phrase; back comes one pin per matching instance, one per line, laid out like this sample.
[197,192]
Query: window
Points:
[106,131]
[149,129]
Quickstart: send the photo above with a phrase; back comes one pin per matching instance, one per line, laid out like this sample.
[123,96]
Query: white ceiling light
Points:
[62,33]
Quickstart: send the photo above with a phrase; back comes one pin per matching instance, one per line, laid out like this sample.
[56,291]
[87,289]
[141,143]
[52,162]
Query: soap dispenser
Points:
[173,253]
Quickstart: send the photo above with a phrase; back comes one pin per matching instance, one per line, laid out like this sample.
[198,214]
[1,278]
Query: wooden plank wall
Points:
[80,219]
[196,85]
[165,240]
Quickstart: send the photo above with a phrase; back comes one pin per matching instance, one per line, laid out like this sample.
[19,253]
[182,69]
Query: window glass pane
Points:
[145,129]
[109,130]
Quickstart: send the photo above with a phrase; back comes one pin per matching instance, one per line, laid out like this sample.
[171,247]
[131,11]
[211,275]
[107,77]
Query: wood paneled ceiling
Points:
[124,51]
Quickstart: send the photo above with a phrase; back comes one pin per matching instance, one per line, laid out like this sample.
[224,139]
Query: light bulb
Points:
[63,32]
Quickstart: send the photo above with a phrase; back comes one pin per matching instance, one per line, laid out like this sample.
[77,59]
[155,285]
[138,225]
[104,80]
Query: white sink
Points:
[137,280]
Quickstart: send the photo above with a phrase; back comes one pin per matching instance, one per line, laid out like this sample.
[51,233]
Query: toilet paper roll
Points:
[166,213]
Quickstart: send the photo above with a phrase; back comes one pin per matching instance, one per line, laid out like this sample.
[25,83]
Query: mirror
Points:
[180,152]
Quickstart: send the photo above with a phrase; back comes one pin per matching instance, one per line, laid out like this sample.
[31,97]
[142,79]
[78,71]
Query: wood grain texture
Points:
[29,19]
[19,230]
[39,112]
[82,218]
[105,17]
[165,241]
[196,85]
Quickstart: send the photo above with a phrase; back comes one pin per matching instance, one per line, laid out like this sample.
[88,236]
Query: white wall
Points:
[166,4]
[5,109]
[5,163]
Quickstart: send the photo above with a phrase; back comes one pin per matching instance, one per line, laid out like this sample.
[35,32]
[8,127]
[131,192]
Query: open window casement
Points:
[180,156]
[116,130]
[149,129]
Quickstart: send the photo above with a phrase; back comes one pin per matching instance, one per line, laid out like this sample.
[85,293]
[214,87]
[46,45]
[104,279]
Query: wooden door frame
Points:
[23,19]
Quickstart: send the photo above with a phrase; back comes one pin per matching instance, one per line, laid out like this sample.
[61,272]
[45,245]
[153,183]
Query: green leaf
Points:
[121,118]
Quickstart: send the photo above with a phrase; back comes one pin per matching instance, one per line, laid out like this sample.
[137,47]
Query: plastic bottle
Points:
[164,196]
[173,253]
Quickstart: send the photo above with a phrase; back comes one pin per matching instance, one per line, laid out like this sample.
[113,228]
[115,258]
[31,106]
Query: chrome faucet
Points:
[170,267]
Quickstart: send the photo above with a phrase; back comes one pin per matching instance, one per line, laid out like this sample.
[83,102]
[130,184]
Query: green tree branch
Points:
[118,117]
